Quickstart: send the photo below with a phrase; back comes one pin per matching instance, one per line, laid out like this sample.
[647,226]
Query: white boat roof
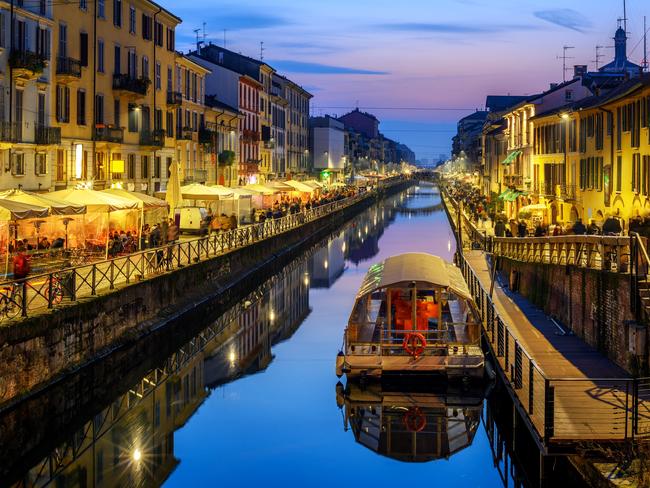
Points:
[404,269]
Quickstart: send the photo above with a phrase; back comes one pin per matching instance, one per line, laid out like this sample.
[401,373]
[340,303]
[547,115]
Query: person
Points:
[215,225]
[233,221]
[44,243]
[144,238]
[579,228]
[522,229]
[58,243]
[557,230]
[163,231]
[225,222]
[172,232]
[539,230]
[21,266]
[508,232]
[593,229]
[499,228]
[155,237]
[612,226]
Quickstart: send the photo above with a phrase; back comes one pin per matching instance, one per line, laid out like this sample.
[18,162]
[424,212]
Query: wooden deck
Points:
[569,391]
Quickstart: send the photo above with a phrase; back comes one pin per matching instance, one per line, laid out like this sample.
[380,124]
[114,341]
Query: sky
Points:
[402,59]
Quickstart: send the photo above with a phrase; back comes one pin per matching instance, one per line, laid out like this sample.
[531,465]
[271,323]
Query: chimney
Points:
[553,86]
[579,70]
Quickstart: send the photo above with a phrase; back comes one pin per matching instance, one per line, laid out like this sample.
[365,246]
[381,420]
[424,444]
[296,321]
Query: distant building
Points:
[362,122]
[327,146]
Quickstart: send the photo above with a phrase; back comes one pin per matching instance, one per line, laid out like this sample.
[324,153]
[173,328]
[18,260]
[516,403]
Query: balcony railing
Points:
[155,138]
[127,83]
[195,175]
[250,136]
[109,134]
[47,135]
[10,132]
[174,98]
[184,133]
[514,180]
[68,67]
[27,60]
[206,136]
[568,192]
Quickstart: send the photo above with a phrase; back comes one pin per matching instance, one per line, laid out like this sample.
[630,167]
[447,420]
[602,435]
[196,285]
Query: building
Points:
[111,93]
[279,111]
[297,129]
[327,147]
[27,135]
[221,134]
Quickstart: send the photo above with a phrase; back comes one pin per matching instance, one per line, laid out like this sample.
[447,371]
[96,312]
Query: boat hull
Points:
[452,367]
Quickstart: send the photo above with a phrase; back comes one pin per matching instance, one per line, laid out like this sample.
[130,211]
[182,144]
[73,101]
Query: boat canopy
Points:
[406,268]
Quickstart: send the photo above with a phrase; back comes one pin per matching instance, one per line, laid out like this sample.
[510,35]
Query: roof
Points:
[410,267]
[498,103]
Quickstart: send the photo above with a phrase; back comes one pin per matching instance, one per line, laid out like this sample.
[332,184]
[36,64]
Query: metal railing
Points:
[109,134]
[195,175]
[47,135]
[68,67]
[10,132]
[125,82]
[47,290]
[562,409]
[152,138]
[174,98]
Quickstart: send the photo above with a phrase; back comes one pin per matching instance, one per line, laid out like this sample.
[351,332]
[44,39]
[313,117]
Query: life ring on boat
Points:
[414,420]
[414,344]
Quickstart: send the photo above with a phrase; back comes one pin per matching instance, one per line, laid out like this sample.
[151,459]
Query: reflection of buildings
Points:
[365,231]
[328,263]
[411,426]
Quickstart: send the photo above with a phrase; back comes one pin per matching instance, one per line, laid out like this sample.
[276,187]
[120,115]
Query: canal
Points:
[252,398]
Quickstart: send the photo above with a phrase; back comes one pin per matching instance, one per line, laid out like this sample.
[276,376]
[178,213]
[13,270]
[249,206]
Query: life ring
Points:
[414,420]
[414,344]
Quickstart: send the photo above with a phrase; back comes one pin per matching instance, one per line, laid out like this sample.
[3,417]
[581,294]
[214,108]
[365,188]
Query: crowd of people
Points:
[485,215]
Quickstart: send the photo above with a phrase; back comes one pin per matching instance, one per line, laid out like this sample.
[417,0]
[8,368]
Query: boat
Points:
[413,314]
[412,426]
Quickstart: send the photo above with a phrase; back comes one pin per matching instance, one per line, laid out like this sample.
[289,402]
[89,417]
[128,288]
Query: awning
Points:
[143,200]
[10,210]
[511,157]
[299,186]
[510,195]
[57,207]
[196,191]
[95,201]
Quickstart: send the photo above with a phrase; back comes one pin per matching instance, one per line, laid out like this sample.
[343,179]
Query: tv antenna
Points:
[564,57]
[645,46]
[262,49]
[198,41]
[224,38]
[600,56]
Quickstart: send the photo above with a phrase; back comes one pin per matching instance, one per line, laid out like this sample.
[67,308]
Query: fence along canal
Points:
[563,403]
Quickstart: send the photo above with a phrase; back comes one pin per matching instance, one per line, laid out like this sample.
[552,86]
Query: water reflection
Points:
[410,425]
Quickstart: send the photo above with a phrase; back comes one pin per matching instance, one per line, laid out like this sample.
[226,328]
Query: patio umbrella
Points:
[260,189]
[56,206]
[196,191]
[299,186]
[173,196]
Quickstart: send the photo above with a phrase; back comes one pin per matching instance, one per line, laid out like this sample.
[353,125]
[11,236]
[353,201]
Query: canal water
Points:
[253,399]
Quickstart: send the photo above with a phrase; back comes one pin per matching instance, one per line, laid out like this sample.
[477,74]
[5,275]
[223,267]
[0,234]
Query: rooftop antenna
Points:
[564,57]
[625,17]
[645,46]
[262,50]
[598,55]
[224,38]
[198,40]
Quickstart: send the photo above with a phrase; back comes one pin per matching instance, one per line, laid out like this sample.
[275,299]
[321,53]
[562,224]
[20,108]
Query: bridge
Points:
[569,394]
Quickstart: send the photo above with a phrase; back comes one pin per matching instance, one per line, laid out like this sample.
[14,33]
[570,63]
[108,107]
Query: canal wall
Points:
[39,349]
[593,304]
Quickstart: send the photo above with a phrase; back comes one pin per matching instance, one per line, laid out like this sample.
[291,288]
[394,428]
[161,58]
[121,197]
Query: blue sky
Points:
[387,55]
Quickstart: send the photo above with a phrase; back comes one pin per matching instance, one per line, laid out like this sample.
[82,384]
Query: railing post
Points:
[24,299]
[549,410]
[111,285]
[93,281]
[531,385]
[49,291]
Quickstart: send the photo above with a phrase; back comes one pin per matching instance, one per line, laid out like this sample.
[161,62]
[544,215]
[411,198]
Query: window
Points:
[133,118]
[40,164]
[591,173]
[144,166]
[645,175]
[156,168]
[157,119]
[62,103]
[2,29]
[60,165]
[146,27]
[116,112]
[100,56]
[158,34]
[133,64]
[83,4]
[619,173]
[99,109]
[130,166]
[40,115]
[132,19]
[117,13]
[117,66]
[101,9]
[195,121]
[63,41]
[83,48]
[636,172]
[81,107]
[170,124]
[170,86]
[18,164]
[158,76]
[170,39]
[568,95]
[145,67]
[42,41]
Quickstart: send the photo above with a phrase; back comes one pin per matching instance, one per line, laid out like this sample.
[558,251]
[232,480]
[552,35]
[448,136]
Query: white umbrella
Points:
[173,196]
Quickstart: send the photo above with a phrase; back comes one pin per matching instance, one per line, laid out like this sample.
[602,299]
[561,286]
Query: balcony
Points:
[10,132]
[206,136]
[569,192]
[26,64]
[131,86]
[250,136]
[184,133]
[154,138]
[195,176]
[174,98]
[67,69]
[47,136]
[109,134]
[514,180]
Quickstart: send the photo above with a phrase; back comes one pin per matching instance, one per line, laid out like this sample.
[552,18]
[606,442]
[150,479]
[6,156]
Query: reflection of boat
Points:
[411,426]
[412,314]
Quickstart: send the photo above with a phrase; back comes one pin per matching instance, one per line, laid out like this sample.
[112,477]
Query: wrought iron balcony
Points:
[174,98]
[126,83]
[184,133]
[26,64]
[195,176]
[155,138]
[109,134]
[10,132]
[206,136]
[47,135]
[68,67]
[569,192]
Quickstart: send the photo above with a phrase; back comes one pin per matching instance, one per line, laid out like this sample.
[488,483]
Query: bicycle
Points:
[10,301]
[56,288]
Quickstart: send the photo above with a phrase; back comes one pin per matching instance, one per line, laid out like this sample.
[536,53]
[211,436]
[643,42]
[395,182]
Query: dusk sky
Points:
[411,54]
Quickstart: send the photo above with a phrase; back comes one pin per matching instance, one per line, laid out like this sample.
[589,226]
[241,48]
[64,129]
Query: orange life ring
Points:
[414,344]
[414,420]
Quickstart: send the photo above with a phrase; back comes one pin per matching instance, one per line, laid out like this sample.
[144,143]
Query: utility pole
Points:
[564,57]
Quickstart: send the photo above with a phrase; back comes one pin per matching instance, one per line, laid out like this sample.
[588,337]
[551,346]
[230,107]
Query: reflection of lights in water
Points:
[271,315]
[343,247]
[325,264]
[359,234]
[306,279]
[448,245]
[375,221]
[232,357]
[366,229]
[137,455]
